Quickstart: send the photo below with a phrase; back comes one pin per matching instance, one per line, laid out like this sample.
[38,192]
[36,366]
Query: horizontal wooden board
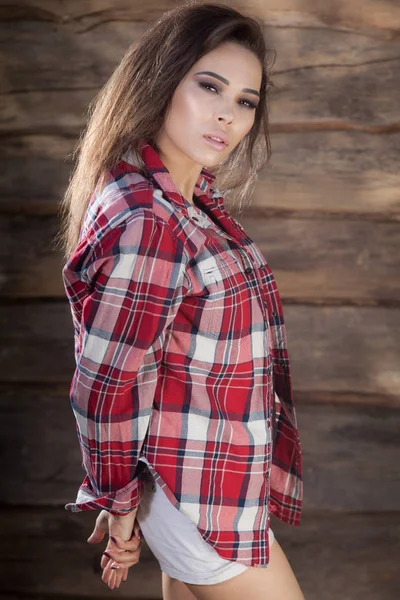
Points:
[341,350]
[38,45]
[36,342]
[34,173]
[44,553]
[314,260]
[337,172]
[378,17]
[324,78]
[333,79]
[350,453]
[330,260]
[30,263]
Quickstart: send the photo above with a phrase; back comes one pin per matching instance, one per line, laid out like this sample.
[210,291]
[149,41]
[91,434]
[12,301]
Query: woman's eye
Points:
[208,85]
[247,104]
[250,104]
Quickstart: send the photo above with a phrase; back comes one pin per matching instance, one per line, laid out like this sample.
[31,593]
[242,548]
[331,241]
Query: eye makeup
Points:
[205,85]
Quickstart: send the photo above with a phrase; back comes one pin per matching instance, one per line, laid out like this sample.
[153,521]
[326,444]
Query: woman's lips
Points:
[214,143]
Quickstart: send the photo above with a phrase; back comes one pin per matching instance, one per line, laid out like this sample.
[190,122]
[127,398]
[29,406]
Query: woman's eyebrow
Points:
[225,81]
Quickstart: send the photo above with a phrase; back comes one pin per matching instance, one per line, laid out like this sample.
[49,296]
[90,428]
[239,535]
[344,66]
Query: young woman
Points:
[182,390]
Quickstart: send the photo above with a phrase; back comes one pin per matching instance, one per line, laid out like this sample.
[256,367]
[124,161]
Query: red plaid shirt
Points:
[181,358]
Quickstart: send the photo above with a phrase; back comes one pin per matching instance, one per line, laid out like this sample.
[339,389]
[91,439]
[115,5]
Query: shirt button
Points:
[248,270]
[269,422]
[195,218]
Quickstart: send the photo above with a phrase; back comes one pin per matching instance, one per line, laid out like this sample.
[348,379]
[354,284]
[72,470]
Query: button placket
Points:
[247,259]
[248,267]
[200,218]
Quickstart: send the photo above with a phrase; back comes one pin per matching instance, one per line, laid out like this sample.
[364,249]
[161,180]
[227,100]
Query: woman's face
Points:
[221,102]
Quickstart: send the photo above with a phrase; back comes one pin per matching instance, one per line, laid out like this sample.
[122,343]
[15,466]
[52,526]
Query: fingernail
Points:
[116,567]
[106,553]
[113,539]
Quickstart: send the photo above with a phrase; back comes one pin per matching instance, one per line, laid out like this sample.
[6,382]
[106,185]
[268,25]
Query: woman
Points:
[182,390]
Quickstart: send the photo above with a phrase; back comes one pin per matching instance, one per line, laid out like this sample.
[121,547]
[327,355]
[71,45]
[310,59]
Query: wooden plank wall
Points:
[326,215]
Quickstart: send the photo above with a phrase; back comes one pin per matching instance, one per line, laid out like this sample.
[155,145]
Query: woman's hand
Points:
[123,548]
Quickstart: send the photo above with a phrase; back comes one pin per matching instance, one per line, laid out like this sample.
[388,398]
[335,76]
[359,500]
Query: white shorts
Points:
[177,543]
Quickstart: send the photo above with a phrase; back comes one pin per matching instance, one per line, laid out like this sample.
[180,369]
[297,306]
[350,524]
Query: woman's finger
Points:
[110,576]
[125,565]
[100,528]
[104,561]
[137,531]
[117,543]
[107,572]
[121,554]
[112,580]
[114,577]
[105,558]
[120,575]
[123,558]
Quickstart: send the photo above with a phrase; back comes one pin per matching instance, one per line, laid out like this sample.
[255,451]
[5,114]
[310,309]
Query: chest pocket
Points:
[227,300]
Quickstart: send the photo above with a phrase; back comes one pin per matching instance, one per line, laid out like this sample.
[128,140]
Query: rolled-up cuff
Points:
[121,502]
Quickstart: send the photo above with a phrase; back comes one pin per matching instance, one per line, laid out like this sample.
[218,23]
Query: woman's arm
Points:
[135,282]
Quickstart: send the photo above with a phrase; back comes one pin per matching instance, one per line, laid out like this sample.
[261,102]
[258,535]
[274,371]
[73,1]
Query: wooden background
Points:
[326,215]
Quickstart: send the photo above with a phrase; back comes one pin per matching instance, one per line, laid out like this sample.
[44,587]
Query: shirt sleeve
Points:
[136,282]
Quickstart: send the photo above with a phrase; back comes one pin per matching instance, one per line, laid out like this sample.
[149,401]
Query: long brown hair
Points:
[132,104]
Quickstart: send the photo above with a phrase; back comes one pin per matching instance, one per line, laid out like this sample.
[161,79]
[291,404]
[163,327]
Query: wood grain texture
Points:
[315,260]
[323,78]
[36,342]
[332,555]
[34,173]
[332,260]
[93,55]
[350,453]
[331,173]
[30,263]
[377,17]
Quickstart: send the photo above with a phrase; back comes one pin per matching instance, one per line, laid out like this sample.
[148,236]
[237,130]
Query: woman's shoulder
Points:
[125,189]
[126,204]
[124,194]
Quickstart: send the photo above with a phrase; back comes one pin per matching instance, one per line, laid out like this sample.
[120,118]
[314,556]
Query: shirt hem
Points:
[217,577]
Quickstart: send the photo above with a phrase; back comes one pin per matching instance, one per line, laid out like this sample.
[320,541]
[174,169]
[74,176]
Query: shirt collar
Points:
[205,192]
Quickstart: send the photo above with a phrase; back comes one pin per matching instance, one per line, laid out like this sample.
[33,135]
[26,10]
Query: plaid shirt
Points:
[181,359]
